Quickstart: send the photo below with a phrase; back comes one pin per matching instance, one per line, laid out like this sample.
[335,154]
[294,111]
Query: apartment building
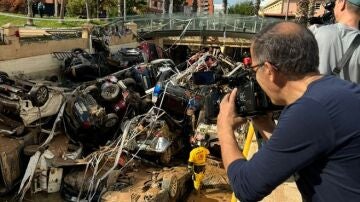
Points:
[205,7]
[156,5]
[281,8]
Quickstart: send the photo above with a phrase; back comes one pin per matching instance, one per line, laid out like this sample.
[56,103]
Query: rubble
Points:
[115,127]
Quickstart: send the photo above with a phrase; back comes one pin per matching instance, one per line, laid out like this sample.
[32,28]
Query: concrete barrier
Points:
[41,66]
[35,60]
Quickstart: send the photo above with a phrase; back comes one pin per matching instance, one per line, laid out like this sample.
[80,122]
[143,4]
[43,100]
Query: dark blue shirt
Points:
[318,138]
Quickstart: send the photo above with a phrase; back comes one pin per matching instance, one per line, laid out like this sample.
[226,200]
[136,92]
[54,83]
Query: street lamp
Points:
[124,10]
[287,10]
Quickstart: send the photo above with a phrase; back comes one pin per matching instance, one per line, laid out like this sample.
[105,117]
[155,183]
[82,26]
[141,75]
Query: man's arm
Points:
[227,122]
[304,132]
[229,148]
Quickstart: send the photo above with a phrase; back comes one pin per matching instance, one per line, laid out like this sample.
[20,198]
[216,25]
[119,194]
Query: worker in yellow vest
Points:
[196,163]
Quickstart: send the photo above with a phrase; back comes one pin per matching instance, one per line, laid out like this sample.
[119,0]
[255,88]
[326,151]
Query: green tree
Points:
[133,7]
[136,7]
[244,8]
[76,7]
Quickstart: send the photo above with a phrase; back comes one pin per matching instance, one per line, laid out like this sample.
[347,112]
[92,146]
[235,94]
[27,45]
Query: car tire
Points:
[110,91]
[3,77]
[170,184]
[110,120]
[77,51]
[39,95]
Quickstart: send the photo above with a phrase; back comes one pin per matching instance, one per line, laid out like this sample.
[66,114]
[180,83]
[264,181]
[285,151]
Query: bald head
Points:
[290,46]
[287,27]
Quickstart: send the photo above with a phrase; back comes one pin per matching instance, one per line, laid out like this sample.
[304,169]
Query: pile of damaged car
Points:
[114,126]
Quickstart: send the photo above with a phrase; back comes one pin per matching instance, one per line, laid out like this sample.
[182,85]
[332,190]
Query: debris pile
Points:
[116,127]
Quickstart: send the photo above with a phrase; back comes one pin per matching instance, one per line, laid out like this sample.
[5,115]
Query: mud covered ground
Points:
[215,188]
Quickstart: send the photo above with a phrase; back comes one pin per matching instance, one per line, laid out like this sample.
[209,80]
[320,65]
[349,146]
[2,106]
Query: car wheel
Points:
[3,77]
[110,91]
[39,95]
[170,184]
[77,51]
[111,120]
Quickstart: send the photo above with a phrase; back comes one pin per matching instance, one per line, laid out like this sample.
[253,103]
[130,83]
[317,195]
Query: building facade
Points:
[205,7]
[156,5]
[282,8]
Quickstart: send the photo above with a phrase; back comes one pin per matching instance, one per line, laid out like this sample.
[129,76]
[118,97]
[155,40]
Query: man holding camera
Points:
[335,39]
[317,137]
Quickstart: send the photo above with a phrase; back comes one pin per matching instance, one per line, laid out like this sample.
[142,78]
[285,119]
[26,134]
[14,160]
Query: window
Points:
[317,6]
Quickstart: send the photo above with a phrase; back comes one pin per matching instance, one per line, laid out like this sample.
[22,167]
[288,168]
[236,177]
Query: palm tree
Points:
[257,7]
[119,8]
[30,13]
[56,5]
[62,11]
[195,6]
[87,10]
[311,8]
[225,4]
[302,11]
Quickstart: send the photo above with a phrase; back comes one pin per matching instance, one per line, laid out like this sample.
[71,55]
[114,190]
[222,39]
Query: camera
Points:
[250,99]
[327,18]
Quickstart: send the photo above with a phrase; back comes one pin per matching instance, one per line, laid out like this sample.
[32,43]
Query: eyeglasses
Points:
[255,68]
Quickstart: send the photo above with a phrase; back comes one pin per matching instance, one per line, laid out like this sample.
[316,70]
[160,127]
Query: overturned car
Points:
[27,99]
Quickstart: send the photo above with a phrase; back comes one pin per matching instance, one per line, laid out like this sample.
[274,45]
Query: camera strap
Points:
[346,57]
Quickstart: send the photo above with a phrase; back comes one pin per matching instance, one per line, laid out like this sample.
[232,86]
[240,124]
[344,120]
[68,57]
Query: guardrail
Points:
[236,23]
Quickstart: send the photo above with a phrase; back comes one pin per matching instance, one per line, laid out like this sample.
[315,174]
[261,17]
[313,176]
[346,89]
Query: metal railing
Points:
[236,23]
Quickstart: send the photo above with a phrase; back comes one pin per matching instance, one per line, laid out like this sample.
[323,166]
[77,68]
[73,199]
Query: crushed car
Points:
[156,134]
[28,100]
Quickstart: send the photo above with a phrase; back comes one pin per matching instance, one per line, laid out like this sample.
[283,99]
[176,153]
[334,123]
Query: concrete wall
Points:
[41,66]
[16,48]
[36,67]
[35,60]
[20,50]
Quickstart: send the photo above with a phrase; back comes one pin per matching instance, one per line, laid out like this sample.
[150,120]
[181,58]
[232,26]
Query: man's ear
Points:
[274,75]
[270,71]
[342,5]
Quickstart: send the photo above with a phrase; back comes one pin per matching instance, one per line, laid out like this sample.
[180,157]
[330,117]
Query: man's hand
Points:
[264,124]
[227,122]
[227,119]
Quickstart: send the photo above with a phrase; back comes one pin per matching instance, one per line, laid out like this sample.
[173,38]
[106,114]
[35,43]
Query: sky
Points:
[233,2]
[230,2]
